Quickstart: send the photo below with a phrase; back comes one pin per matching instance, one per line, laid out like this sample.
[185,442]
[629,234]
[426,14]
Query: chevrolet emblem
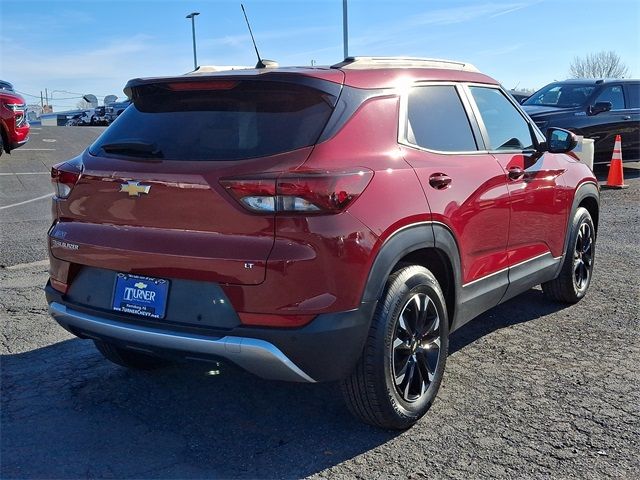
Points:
[134,189]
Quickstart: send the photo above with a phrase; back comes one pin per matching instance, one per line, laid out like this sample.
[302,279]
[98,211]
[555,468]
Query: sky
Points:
[94,46]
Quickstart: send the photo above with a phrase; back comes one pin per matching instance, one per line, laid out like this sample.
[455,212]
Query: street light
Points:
[345,29]
[192,16]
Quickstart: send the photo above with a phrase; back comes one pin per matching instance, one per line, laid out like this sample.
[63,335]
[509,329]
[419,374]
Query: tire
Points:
[577,269]
[377,391]
[129,358]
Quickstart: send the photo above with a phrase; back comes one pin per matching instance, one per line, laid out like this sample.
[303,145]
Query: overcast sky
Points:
[93,46]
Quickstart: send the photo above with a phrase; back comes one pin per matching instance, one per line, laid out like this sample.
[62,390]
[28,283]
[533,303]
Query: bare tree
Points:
[83,105]
[598,65]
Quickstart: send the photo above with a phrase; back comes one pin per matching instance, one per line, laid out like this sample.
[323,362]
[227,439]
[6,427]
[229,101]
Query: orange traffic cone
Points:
[616,175]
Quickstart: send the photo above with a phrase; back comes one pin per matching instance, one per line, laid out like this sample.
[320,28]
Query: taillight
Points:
[309,192]
[64,177]
[18,109]
[212,85]
[21,119]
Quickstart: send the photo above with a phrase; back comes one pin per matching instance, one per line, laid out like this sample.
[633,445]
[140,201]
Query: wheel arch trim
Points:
[588,189]
[408,239]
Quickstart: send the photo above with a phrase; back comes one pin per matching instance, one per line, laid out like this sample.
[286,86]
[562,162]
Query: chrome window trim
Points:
[476,123]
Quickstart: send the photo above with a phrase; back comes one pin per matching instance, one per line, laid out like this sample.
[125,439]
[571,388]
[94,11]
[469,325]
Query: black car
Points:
[519,96]
[598,109]
[113,110]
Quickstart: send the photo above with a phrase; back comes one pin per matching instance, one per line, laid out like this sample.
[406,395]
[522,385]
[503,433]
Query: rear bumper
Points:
[327,349]
[19,143]
[257,356]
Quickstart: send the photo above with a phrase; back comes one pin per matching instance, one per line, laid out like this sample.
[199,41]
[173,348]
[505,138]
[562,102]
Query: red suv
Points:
[14,127]
[316,224]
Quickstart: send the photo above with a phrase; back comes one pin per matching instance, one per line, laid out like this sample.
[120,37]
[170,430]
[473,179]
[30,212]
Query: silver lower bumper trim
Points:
[256,356]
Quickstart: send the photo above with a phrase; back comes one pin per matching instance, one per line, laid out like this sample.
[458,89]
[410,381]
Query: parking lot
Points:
[533,389]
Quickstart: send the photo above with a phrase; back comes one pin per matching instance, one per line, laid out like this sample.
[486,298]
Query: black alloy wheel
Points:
[583,257]
[576,272]
[402,364]
[416,347]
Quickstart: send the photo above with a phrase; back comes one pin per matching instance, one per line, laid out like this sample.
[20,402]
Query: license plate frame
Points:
[140,295]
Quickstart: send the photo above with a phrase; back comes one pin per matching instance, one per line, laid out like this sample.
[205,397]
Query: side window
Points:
[612,94]
[633,95]
[437,120]
[507,128]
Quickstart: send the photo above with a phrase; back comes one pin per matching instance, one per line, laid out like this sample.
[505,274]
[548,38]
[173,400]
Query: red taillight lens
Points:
[213,85]
[18,108]
[64,177]
[308,192]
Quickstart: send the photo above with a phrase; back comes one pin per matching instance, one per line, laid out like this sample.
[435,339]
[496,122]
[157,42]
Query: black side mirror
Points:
[599,108]
[560,140]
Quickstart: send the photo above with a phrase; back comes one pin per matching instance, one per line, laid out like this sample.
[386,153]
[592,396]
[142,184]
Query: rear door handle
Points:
[516,173]
[627,117]
[439,181]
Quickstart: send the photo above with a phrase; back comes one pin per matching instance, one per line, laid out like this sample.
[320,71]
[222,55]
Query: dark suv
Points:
[316,224]
[597,109]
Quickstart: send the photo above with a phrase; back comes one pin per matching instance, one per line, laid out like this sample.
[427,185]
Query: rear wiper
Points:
[133,148]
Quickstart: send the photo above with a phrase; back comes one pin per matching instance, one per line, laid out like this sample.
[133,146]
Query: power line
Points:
[27,94]
[80,95]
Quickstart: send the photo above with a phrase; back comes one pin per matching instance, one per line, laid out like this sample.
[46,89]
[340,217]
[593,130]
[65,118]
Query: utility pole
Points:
[192,16]
[46,96]
[345,29]
[41,100]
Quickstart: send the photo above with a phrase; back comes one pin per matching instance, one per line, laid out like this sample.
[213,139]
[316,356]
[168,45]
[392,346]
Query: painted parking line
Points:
[27,201]
[34,150]
[24,173]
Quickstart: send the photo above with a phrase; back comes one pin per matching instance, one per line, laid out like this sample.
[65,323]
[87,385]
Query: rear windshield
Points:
[231,120]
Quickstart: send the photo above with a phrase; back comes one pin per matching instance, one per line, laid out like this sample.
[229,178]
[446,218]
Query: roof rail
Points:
[216,68]
[399,62]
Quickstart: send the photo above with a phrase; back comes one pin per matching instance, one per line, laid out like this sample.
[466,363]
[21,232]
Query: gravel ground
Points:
[533,389]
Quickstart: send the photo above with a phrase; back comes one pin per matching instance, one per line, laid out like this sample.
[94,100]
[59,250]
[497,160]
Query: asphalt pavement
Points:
[533,389]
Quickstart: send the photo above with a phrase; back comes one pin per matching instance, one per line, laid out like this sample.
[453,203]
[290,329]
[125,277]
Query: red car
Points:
[316,224]
[14,127]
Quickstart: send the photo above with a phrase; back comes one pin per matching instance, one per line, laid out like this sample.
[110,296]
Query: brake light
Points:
[213,85]
[64,177]
[18,108]
[310,192]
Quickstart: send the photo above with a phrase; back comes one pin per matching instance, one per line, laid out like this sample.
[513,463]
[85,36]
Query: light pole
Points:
[345,29]
[192,16]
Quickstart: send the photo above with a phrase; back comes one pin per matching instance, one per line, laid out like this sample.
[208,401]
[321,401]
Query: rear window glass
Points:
[235,121]
[633,90]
